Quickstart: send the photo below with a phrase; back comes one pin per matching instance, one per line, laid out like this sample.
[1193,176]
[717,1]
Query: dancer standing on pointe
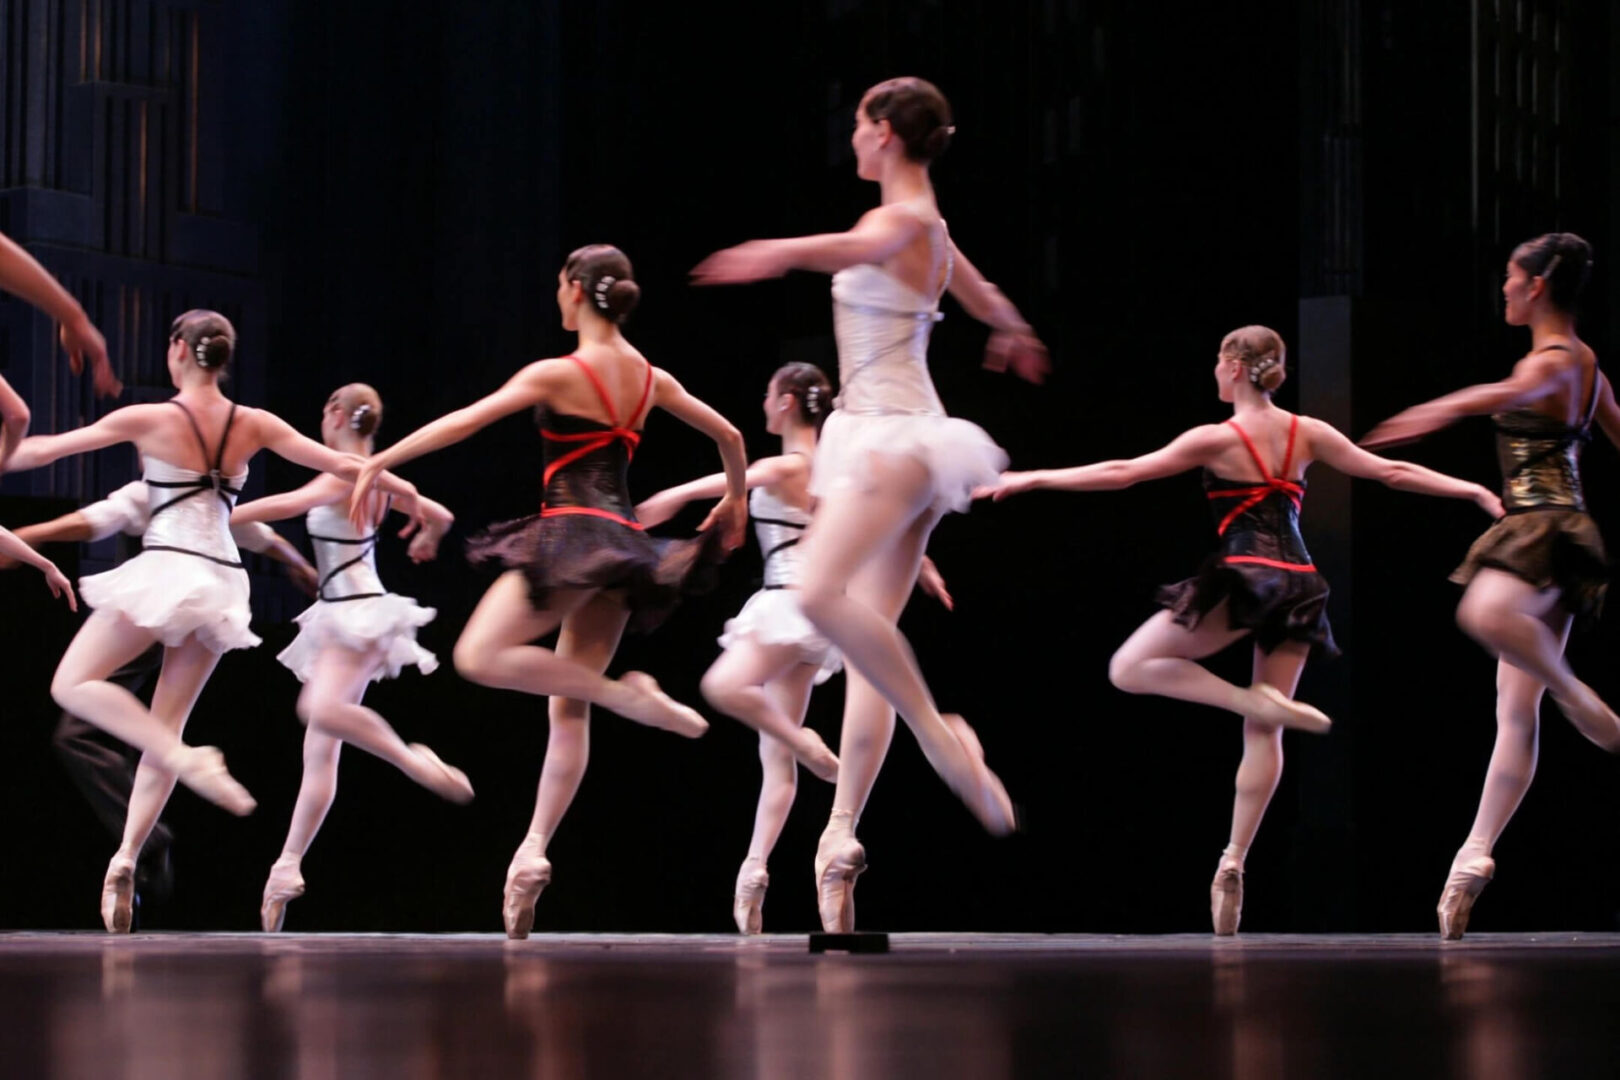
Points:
[773,656]
[582,566]
[1543,565]
[890,462]
[1261,581]
[354,634]
[187,588]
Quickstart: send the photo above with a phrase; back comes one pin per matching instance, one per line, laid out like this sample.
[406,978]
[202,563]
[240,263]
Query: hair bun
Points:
[363,419]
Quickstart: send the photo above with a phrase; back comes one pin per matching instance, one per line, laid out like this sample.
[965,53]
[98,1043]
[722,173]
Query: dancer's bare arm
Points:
[1013,344]
[324,490]
[120,425]
[284,440]
[1533,378]
[14,417]
[1608,413]
[731,514]
[879,234]
[22,275]
[1189,450]
[17,550]
[1329,446]
[766,472]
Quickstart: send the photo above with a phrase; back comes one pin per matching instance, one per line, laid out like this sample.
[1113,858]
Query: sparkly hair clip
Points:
[358,416]
[200,351]
[1257,372]
[812,400]
[603,284]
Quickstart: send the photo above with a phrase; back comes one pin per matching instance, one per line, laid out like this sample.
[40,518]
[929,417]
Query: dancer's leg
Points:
[102,768]
[882,527]
[316,793]
[1515,621]
[1257,778]
[588,639]
[330,704]
[1161,658]
[736,684]
[495,650]
[789,694]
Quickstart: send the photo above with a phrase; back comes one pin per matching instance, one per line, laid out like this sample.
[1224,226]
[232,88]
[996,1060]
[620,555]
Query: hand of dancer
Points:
[1010,483]
[730,516]
[752,261]
[436,521]
[1490,502]
[657,509]
[59,584]
[360,511]
[1407,426]
[304,577]
[1020,352]
[932,582]
[81,339]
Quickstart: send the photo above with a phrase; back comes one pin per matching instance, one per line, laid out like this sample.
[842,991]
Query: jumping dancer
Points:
[1260,582]
[582,566]
[354,634]
[1543,565]
[890,462]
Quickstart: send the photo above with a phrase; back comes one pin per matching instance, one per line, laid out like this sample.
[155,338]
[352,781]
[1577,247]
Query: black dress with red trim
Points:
[586,535]
[1262,572]
[1547,538]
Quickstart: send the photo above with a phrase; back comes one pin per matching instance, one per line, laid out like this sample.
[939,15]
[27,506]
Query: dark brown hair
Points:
[1564,260]
[1261,351]
[811,390]
[604,273]
[916,111]
[362,408]
[209,336]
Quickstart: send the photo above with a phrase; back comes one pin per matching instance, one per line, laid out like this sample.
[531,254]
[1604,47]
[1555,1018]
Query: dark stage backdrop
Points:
[1139,185]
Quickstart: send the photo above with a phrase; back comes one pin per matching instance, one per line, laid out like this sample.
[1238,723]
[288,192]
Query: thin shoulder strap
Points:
[202,443]
[601,391]
[1259,462]
[215,460]
[646,392]
[1288,457]
[224,437]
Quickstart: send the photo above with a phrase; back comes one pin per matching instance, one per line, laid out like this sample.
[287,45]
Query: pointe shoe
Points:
[1463,886]
[840,859]
[202,769]
[285,883]
[816,756]
[657,709]
[1226,898]
[447,782]
[986,797]
[748,905]
[1280,710]
[529,873]
[1592,717]
[118,895]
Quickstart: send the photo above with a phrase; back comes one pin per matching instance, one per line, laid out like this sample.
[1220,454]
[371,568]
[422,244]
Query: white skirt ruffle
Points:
[177,595]
[385,624]
[773,617]
[959,455]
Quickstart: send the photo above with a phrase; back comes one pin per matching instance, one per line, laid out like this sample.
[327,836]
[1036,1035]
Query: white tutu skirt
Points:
[177,595]
[959,455]
[386,623]
[772,617]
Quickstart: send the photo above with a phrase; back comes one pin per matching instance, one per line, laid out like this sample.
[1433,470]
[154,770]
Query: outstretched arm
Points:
[13,547]
[321,491]
[1189,450]
[879,234]
[731,514]
[284,440]
[1013,344]
[21,274]
[1533,378]
[14,417]
[1608,413]
[766,472]
[120,425]
[1331,448]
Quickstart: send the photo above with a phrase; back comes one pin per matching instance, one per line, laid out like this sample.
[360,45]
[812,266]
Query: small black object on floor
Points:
[859,942]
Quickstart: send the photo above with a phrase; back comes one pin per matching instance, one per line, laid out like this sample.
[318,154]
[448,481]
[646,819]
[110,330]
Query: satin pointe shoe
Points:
[202,769]
[1283,711]
[1463,886]
[840,859]
[286,882]
[526,877]
[118,895]
[657,709]
[985,796]
[1226,897]
[447,781]
[748,903]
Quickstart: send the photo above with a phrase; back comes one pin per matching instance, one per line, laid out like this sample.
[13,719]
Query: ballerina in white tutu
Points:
[773,655]
[890,462]
[355,633]
[186,588]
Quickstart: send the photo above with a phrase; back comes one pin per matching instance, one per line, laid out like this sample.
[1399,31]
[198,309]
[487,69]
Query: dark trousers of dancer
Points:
[104,771]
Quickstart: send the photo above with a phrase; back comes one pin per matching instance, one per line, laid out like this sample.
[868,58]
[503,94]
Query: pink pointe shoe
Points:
[983,792]
[526,877]
[286,883]
[1226,897]
[118,894]
[445,781]
[202,769]
[1280,710]
[1463,886]
[840,859]
[748,904]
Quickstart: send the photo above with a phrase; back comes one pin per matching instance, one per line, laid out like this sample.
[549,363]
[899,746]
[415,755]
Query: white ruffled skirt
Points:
[177,595]
[959,455]
[385,624]
[773,617]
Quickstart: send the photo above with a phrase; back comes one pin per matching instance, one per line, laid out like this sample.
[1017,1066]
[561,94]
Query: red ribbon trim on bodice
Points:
[1253,496]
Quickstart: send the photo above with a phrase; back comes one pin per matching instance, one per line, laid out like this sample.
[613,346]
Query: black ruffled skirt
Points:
[581,551]
[1275,605]
[1559,549]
